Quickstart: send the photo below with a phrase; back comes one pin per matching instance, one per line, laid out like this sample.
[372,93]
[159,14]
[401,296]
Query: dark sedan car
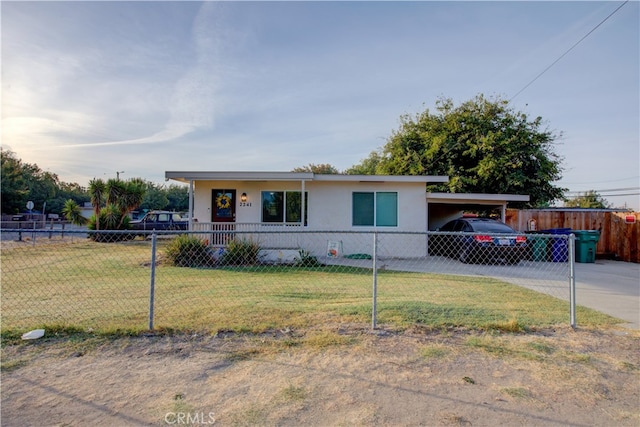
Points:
[472,240]
[160,220]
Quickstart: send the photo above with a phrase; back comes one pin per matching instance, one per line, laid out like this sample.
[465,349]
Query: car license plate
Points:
[504,242]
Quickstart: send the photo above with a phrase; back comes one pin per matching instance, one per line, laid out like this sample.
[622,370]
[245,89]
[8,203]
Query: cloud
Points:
[191,106]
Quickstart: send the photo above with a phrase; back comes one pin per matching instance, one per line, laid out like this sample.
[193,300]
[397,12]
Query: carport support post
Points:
[375,281]
[153,279]
[572,279]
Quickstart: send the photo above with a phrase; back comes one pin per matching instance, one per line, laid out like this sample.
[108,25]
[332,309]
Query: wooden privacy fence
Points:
[619,237]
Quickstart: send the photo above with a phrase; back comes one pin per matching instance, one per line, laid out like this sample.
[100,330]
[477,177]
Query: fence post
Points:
[572,279]
[153,280]
[375,281]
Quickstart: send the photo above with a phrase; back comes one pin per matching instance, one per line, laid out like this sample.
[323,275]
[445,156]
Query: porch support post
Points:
[504,212]
[302,204]
[190,205]
[427,228]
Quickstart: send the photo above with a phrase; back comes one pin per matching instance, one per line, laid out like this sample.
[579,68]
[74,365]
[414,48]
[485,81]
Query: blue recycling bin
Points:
[559,249]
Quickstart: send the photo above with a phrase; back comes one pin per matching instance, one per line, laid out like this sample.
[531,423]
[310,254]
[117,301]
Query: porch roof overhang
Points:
[475,198]
[188,176]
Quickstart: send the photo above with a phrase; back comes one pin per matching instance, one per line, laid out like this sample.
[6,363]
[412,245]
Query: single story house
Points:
[250,202]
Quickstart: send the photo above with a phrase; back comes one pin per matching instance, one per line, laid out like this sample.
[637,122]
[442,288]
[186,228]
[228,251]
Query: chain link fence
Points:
[260,281]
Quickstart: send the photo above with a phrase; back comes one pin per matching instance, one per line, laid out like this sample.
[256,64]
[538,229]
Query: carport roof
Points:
[475,198]
[186,176]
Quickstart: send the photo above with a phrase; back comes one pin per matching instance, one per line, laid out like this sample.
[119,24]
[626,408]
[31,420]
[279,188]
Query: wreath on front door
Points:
[223,201]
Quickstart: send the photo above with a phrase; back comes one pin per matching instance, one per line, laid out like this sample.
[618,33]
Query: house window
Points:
[375,208]
[284,207]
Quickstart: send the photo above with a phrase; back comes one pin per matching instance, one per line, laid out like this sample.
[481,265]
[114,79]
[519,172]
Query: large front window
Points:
[283,207]
[375,208]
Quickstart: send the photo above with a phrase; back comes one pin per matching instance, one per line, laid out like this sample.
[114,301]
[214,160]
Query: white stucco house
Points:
[249,202]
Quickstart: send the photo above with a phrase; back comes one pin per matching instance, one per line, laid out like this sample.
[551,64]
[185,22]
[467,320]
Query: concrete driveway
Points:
[612,287]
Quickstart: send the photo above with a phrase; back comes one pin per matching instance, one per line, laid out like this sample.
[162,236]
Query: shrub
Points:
[241,252]
[189,251]
[305,259]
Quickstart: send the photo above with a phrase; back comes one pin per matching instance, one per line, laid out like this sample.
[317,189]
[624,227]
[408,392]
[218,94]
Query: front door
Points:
[223,205]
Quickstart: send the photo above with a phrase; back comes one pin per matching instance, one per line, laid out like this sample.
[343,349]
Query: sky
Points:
[100,89]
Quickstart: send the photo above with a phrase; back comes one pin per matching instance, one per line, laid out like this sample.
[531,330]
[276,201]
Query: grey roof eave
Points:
[236,176]
[186,176]
[481,198]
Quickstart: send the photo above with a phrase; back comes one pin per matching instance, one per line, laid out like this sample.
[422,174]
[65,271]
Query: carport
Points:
[443,207]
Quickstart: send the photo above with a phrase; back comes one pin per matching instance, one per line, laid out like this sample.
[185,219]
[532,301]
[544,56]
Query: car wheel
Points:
[464,255]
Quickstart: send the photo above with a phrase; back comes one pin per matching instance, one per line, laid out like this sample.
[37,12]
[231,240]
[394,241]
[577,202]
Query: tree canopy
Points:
[590,199]
[323,168]
[483,145]
[22,182]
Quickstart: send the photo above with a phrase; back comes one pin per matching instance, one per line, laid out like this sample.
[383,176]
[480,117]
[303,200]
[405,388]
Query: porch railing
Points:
[220,233]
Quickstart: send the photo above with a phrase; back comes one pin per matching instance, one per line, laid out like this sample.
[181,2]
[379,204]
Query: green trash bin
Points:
[538,245]
[586,241]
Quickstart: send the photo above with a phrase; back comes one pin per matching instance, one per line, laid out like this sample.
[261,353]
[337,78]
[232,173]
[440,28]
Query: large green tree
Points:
[14,190]
[368,166]
[67,191]
[178,196]
[22,182]
[483,145]
[155,197]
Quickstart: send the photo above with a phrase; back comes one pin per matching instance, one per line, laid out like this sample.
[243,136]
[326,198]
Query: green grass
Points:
[502,348]
[294,393]
[434,351]
[105,288]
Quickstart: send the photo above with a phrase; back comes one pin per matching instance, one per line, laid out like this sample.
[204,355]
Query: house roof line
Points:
[186,176]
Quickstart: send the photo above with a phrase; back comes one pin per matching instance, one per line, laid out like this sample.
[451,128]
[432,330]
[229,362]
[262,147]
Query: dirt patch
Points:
[344,375]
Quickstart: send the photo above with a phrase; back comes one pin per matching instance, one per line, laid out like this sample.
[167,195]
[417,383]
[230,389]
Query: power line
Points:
[618,195]
[601,181]
[578,194]
[608,189]
[567,51]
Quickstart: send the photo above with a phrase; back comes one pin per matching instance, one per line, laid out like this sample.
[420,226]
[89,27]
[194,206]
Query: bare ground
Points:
[342,376]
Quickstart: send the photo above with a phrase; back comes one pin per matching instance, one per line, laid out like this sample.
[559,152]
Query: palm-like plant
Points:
[71,212]
[115,190]
[97,189]
[130,199]
[120,198]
